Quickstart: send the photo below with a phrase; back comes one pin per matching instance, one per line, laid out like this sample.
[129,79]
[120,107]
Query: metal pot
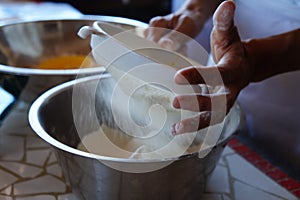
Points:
[53,117]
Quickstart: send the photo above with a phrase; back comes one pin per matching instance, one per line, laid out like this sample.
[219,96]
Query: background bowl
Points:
[25,44]
[100,177]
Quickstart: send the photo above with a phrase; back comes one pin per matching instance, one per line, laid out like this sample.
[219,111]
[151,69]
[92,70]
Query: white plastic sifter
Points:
[144,73]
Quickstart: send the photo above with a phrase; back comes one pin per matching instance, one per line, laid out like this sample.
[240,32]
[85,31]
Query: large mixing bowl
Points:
[54,117]
[24,44]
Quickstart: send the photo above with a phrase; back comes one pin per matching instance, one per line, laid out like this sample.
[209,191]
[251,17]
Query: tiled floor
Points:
[29,169]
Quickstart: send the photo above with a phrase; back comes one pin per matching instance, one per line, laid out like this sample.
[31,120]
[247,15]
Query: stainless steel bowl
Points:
[53,117]
[26,43]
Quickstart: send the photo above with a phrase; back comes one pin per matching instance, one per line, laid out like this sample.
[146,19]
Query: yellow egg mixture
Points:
[67,62]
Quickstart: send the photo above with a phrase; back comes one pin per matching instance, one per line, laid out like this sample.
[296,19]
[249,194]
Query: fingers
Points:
[198,75]
[224,33]
[231,72]
[198,122]
[223,16]
[158,27]
[198,103]
[172,31]
[229,53]
[182,32]
[224,73]
[217,102]
[212,108]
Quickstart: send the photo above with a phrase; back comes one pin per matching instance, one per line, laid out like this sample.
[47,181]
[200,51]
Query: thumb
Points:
[223,16]
[224,32]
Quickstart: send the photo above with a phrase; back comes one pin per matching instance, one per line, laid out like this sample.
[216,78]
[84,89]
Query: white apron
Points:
[272,107]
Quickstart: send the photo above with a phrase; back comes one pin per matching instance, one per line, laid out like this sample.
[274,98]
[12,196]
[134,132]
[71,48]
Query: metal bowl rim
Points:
[38,129]
[29,71]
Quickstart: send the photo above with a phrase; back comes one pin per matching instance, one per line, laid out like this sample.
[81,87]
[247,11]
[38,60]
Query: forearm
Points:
[274,55]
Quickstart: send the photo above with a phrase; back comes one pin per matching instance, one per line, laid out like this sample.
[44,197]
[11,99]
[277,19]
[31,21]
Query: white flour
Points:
[141,127]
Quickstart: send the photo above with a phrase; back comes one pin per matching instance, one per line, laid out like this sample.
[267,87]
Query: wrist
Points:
[273,55]
[252,59]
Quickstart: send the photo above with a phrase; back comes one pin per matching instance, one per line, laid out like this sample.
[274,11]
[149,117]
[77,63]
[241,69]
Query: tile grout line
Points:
[266,167]
[230,178]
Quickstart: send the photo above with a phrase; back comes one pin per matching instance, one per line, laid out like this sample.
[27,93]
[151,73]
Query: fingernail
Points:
[223,25]
[176,129]
[179,78]
[151,38]
[169,44]
[166,43]
[146,33]
[223,17]
[173,131]
[176,103]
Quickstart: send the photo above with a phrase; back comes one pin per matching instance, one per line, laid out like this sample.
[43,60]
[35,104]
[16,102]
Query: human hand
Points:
[172,31]
[233,64]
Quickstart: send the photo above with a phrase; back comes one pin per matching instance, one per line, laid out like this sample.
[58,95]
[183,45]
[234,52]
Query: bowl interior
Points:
[63,117]
[25,44]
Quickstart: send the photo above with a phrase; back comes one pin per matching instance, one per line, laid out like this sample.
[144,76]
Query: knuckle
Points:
[185,18]
[157,21]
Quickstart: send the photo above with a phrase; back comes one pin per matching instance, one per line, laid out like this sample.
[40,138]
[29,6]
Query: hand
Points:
[230,56]
[168,30]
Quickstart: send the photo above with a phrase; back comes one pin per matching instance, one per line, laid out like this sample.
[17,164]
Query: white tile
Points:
[219,181]
[70,196]
[52,159]
[5,197]
[6,99]
[7,191]
[23,170]
[221,162]
[14,121]
[246,192]
[37,157]
[6,179]
[21,106]
[44,184]
[36,142]
[227,151]
[245,172]
[38,197]
[27,131]
[211,197]
[226,197]
[11,148]
[55,170]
